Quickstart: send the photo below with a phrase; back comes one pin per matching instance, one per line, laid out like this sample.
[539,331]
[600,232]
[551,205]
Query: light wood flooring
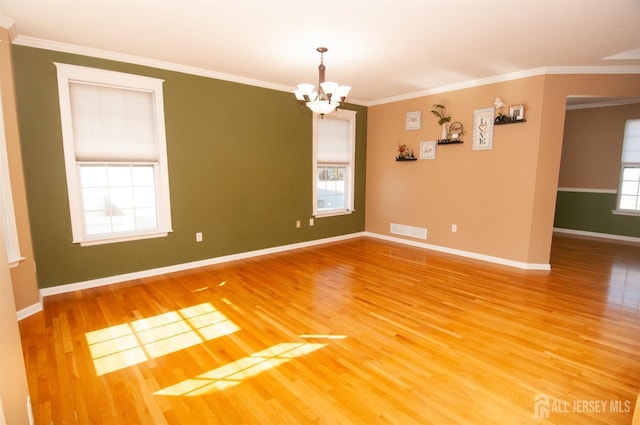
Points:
[361,331]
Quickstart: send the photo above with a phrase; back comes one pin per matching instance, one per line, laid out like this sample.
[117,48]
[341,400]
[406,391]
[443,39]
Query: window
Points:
[629,190]
[334,158]
[6,201]
[115,155]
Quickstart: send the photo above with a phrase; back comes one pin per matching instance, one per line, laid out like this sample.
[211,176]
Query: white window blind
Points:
[112,124]
[334,146]
[631,144]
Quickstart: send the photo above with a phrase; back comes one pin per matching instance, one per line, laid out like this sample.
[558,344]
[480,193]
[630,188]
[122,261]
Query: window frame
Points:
[7,209]
[68,74]
[349,196]
[618,210]
[623,166]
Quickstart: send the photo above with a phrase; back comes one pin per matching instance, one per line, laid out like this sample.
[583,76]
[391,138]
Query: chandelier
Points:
[329,96]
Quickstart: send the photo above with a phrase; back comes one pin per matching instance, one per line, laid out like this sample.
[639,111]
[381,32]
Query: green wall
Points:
[240,172]
[591,212]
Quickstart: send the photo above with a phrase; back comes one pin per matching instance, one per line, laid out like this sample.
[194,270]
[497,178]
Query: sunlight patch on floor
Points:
[624,290]
[128,344]
[232,374]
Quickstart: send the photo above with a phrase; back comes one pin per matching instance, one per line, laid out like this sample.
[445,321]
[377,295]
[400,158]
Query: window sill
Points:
[122,238]
[626,212]
[332,213]
[15,262]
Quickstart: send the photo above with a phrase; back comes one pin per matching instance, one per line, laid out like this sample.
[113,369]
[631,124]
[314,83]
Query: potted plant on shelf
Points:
[404,153]
[499,104]
[438,111]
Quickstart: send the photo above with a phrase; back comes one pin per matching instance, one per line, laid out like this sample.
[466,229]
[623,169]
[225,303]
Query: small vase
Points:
[444,132]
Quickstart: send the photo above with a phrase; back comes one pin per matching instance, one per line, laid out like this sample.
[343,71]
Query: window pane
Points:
[119,176]
[331,188]
[121,197]
[119,205]
[94,199]
[93,176]
[144,197]
[628,202]
[629,188]
[146,218]
[631,173]
[143,176]
[124,222]
[97,223]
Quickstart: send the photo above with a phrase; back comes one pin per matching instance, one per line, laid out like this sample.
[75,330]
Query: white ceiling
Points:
[384,49]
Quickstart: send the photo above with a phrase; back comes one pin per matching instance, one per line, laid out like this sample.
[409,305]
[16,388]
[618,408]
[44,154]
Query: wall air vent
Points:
[414,232]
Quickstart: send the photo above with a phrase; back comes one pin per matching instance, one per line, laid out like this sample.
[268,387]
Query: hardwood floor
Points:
[355,332]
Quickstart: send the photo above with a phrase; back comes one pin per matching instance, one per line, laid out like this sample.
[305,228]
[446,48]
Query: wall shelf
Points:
[402,158]
[509,122]
[449,142]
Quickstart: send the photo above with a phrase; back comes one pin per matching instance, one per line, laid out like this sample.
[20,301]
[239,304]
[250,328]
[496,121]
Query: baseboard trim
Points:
[30,310]
[462,253]
[71,287]
[586,190]
[94,283]
[597,235]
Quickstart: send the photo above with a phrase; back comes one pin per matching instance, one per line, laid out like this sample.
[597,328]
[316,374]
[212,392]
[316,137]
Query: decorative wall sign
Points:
[414,120]
[428,150]
[483,129]
[455,130]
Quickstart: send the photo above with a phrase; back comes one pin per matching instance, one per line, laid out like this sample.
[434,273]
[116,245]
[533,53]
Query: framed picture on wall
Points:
[428,150]
[516,112]
[414,120]
[483,129]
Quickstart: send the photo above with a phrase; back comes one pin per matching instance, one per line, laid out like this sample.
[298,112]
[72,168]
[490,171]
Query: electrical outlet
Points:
[454,228]
[199,237]
[311,222]
[297,224]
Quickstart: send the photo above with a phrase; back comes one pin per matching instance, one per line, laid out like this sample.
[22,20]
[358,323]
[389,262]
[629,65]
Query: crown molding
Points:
[513,76]
[593,70]
[10,25]
[138,60]
[605,103]
[631,54]
[39,43]
[170,66]
[464,85]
